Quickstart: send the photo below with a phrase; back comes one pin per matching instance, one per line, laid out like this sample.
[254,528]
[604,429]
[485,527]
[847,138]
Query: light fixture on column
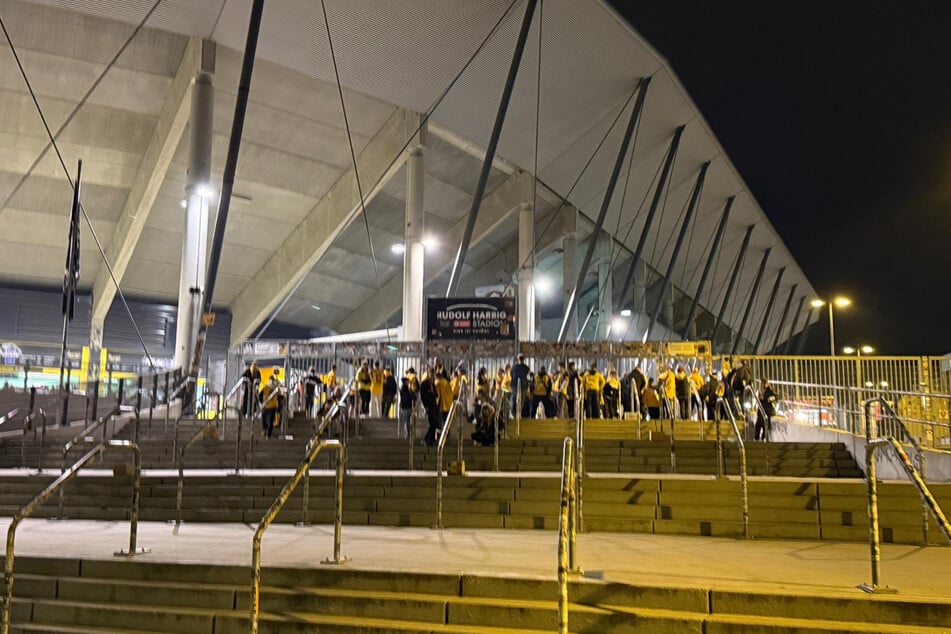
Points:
[542,284]
[205,190]
[626,312]
[430,242]
[398,248]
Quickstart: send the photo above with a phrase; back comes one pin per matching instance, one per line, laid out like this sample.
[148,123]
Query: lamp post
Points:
[840,302]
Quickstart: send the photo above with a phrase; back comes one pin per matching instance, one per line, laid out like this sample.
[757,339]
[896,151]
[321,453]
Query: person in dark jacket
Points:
[520,372]
[407,403]
[428,397]
[390,389]
[253,376]
[768,399]
[311,381]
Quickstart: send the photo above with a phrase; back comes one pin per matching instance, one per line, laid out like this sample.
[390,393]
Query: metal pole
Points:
[227,185]
[69,290]
[769,309]
[606,203]
[152,398]
[782,320]
[831,332]
[752,301]
[138,408]
[731,285]
[714,250]
[490,150]
[651,212]
[873,534]
[564,564]
[691,208]
[792,326]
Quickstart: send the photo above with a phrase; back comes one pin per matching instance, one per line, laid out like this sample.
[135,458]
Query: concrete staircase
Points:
[72,596]
[779,509]
[610,448]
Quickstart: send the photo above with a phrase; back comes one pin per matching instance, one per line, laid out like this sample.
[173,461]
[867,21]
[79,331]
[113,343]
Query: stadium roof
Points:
[294,173]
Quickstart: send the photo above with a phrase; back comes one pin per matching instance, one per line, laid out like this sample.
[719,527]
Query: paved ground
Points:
[800,566]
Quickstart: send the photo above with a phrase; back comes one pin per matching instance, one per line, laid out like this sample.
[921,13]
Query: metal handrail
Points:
[28,426]
[579,466]
[56,485]
[302,472]
[9,415]
[168,406]
[673,423]
[440,446]
[693,391]
[744,485]
[874,388]
[872,481]
[208,431]
[866,406]
[567,532]
[81,436]
[335,409]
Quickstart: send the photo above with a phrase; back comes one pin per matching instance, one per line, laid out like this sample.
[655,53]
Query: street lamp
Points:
[858,352]
[839,302]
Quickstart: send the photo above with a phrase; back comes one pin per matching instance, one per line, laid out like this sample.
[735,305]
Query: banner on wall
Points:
[486,318]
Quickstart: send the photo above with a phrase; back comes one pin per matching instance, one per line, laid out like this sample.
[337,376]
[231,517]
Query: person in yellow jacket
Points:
[270,405]
[667,386]
[593,382]
[612,395]
[541,393]
[444,395]
[376,391]
[412,380]
[696,384]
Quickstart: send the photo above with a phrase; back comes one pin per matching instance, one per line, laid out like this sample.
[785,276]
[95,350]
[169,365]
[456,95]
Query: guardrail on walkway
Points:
[722,405]
[440,446]
[57,486]
[302,473]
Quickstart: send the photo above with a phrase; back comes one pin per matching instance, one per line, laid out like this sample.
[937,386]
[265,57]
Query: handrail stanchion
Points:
[255,386]
[152,398]
[716,416]
[673,416]
[208,431]
[341,457]
[411,434]
[35,503]
[440,446]
[744,485]
[167,400]
[518,413]
[899,426]
[873,525]
[579,468]
[566,532]
[314,448]
[138,408]
[495,431]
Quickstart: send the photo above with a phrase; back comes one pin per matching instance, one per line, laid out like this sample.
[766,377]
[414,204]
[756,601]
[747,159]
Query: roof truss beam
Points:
[151,174]
[318,230]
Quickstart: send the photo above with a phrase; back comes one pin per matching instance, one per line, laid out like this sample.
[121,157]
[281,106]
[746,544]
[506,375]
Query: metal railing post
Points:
[205,432]
[565,526]
[873,534]
[305,504]
[165,397]
[313,449]
[579,468]
[440,446]
[138,408]
[411,434]
[744,485]
[338,507]
[518,413]
[152,398]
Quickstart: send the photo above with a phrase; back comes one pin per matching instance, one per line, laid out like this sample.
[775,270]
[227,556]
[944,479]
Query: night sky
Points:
[838,116]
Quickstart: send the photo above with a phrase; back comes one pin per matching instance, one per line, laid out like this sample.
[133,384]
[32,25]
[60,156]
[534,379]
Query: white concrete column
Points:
[569,263]
[96,326]
[414,253]
[526,274]
[198,193]
[605,288]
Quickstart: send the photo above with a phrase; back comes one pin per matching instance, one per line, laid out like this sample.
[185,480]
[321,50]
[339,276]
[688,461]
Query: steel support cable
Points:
[538,106]
[76,108]
[617,247]
[663,212]
[424,119]
[564,199]
[356,175]
[62,162]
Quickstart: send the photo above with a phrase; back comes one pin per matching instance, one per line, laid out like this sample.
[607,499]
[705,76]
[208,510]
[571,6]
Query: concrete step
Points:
[67,596]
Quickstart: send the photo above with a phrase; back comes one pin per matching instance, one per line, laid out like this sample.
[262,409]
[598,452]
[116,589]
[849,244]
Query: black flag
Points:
[71,277]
